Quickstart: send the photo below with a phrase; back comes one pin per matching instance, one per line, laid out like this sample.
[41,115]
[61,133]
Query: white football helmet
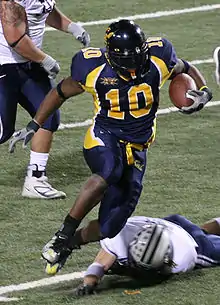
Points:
[152,247]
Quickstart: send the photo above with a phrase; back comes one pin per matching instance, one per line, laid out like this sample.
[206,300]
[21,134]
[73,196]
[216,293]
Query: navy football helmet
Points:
[126,49]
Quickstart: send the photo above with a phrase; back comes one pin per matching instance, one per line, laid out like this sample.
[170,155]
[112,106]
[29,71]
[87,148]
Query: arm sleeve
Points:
[185,258]
[164,58]
[116,246]
[169,54]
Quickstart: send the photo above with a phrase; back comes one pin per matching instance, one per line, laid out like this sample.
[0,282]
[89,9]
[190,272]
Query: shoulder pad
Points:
[85,61]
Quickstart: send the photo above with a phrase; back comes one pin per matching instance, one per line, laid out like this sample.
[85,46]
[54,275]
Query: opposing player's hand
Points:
[199,97]
[84,290]
[79,33]
[25,135]
[51,66]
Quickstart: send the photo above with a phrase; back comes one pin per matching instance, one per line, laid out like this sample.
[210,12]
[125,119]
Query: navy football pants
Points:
[26,84]
[125,181]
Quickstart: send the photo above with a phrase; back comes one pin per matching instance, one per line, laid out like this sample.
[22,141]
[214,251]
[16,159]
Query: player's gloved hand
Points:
[84,290]
[51,66]
[199,97]
[25,135]
[79,33]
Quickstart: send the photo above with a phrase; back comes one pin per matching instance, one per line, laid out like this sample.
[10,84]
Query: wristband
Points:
[202,88]
[95,269]
[33,125]
[207,90]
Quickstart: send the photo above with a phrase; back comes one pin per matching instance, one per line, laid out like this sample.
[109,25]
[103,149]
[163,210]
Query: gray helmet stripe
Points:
[155,247]
[149,242]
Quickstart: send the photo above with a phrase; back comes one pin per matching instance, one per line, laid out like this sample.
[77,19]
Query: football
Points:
[178,88]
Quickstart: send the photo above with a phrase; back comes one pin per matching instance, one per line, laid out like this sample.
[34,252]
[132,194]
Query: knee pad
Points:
[53,122]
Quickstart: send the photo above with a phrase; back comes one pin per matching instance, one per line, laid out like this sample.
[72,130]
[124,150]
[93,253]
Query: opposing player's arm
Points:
[14,23]
[95,272]
[55,98]
[212,226]
[58,20]
[61,22]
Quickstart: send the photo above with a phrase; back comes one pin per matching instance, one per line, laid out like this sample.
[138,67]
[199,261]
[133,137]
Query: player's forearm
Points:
[197,76]
[94,274]
[102,264]
[28,50]
[58,20]
[212,226]
[50,104]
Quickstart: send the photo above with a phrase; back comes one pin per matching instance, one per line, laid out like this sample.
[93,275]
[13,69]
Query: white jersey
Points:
[184,246]
[37,12]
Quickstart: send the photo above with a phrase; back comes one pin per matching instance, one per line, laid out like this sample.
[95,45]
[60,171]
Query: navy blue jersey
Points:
[125,109]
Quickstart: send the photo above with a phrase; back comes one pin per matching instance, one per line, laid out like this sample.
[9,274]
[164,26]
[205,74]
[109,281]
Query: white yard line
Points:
[160,112]
[40,283]
[5,299]
[202,61]
[203,8]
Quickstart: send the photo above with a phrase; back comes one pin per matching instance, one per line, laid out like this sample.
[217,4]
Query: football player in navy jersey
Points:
[124,79]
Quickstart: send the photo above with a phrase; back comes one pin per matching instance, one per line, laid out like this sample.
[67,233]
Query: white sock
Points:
[40,159]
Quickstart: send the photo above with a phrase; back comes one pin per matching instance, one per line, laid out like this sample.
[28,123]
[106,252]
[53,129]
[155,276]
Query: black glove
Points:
[84,290]
[200,98]
[25,135]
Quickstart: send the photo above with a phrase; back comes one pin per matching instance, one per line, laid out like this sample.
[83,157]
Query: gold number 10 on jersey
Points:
[134,109]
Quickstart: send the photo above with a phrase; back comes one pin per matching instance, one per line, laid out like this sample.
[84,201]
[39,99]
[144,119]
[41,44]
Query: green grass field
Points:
[182,176]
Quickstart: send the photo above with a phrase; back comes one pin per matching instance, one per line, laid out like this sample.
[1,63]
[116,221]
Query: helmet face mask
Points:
[127,49]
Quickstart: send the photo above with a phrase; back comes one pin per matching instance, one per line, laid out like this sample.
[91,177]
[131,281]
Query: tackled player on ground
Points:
[153,249]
